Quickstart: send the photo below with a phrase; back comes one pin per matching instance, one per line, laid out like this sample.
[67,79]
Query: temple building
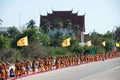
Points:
[74,18]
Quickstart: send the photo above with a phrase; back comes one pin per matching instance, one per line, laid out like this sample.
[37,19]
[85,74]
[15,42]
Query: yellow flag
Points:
[104,43]
[23,41]
[117,45]
[66,42]
[89,43]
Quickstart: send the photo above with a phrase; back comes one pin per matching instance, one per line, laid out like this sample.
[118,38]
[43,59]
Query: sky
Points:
[100,15]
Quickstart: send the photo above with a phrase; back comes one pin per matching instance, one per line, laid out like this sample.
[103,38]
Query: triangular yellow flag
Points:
[117,44]
[66,42]
[104,43]
[23,41]
[89,43]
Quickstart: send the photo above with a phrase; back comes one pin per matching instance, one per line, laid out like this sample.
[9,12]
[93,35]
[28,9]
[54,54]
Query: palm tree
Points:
[45,25]
[58,23]
[67,24]
[31,24]
[76,29]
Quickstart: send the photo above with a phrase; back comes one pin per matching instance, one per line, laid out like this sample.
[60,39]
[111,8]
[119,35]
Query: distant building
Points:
[67,15]
[3,30]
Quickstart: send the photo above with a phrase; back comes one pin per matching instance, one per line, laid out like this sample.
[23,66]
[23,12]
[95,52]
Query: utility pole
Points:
[113,35]
[82,37]
[19,22]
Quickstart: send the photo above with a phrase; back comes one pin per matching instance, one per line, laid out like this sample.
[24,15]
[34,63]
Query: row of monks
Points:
[48,63]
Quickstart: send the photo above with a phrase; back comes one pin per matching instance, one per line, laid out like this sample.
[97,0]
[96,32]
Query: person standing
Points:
[34,66]
[40,64]
[27,66]
[2,67]
[17,68]
[7,70]
[22,68]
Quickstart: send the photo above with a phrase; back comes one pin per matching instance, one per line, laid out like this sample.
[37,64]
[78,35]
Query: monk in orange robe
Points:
[17,68]
[57,63]
[40,64]
[51,63]
[27,66]
[34,66]
[7,70]
[2,67]
[22,70]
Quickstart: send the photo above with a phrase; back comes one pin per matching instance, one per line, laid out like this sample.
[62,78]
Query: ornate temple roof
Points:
[64,15]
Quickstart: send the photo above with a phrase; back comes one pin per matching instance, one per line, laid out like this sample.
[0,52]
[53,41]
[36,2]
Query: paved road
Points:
[103,70]
[113,74]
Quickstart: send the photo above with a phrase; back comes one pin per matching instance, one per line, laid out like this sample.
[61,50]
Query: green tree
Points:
[74,45]
[117,34]
[67,24]
[31,24]
[76,29]
[12,32]
[44,38]
[45,25]
[58,23]
[109,45]
[32,35]
[4,42]
[107,35]
[96,38]
[57,40]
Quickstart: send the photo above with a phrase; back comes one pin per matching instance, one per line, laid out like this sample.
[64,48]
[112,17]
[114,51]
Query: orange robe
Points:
[27,66]
[57,64]
[33,66]
[3,71]
[40,67]
[0,70]
[22,71]
[46,64]
[7,70]
[17,69]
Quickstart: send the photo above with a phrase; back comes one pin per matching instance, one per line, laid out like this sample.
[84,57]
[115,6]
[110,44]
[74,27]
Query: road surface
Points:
[103,70]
